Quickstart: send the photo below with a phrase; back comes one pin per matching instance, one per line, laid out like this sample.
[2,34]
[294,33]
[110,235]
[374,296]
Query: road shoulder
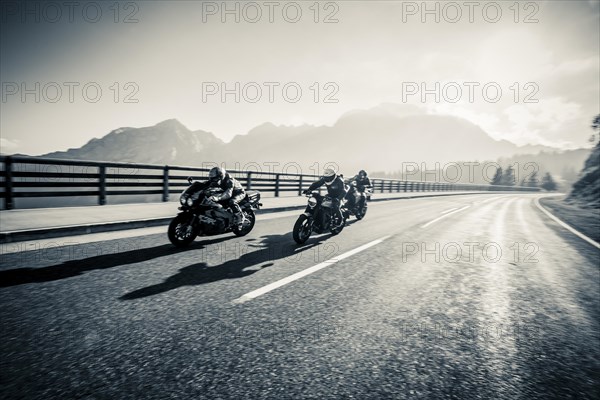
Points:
[586,221]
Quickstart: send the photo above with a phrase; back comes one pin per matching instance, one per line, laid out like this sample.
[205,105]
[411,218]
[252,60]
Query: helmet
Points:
[216,174]
[329,174]
[362,173]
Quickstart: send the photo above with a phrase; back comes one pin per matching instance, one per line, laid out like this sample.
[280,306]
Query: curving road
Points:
[478,296]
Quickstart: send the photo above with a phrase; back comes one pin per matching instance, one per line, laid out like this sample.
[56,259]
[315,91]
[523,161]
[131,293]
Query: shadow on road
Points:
[351,222]
[271,248]
[71,268]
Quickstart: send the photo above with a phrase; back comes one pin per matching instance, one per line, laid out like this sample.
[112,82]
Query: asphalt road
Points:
[465,297]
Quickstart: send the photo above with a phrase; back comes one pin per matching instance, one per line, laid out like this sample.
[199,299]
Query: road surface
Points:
[478,296]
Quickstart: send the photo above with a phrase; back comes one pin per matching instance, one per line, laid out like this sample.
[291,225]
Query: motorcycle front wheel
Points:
[181,233]
[302,229]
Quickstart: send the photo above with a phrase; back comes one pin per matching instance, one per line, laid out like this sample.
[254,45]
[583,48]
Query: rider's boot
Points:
[338,219]
[239,217]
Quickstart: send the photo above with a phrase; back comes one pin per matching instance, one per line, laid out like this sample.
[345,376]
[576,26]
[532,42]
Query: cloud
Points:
[544,122]
[487,121]
[570,67]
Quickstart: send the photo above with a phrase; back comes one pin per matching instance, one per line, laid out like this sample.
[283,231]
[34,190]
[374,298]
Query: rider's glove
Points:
[306,191]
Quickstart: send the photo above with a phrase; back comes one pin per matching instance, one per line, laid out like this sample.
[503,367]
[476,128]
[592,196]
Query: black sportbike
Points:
[201,216]
[355,202]
[319,217]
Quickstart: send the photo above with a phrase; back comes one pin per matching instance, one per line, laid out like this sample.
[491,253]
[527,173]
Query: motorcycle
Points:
[202,216]
[318,217]
[355,202]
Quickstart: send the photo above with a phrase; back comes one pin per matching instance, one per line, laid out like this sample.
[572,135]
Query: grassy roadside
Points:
[585,220]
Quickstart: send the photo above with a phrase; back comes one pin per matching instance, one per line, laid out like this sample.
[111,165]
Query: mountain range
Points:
[168,142]
[380,139]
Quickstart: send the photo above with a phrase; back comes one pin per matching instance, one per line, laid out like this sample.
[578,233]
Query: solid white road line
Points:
[444,216]
[265,289]
[566,226]
[447,211]
[486,200]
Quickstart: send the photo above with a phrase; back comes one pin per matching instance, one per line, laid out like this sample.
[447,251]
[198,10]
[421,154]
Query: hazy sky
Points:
[376,52]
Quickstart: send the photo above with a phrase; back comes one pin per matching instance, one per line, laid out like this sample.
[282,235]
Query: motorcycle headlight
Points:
[312,202]
[190,202]
[182,199]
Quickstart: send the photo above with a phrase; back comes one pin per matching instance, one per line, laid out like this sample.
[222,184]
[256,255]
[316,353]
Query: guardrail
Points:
[27,177]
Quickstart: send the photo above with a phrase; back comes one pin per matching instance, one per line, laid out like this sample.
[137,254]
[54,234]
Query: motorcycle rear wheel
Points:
[246,228]
[338,229]
[180,232]
[362,211]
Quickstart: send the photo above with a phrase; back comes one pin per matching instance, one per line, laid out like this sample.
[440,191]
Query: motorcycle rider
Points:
[233,192]
[362,182]
[335,189]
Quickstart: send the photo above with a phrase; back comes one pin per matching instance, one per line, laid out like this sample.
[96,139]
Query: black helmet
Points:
[216,174]
[362,173]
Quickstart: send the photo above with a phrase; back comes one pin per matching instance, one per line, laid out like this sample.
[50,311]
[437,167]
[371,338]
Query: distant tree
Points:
[508,178]
[497,179]
[532,181]
[548,182]
[586,191]
[595,138]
